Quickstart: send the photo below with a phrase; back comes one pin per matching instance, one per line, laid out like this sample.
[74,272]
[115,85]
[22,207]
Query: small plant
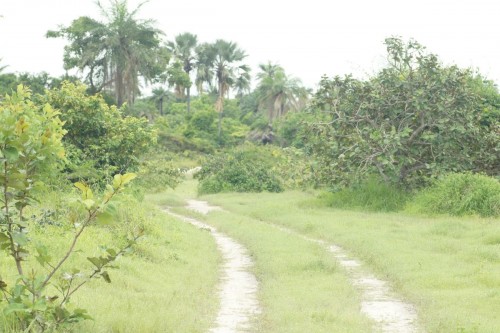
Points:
[460,194]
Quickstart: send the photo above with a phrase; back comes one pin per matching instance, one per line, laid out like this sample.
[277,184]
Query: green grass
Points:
[448,267]
[167,285]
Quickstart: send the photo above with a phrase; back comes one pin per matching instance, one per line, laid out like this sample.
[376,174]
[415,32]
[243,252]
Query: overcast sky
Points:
[308,38]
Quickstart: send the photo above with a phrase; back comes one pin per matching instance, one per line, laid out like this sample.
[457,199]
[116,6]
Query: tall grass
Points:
[460,194]
[370,194]
[168,284]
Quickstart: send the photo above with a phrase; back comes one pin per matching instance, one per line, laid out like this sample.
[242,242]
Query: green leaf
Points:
[106,277]
[15,307]
[126,178]
[3,238]
[11,153]
[98,262]
[86,191]
[3,285]
[89,203]
[40,305]
[20,238]
[117,181]
[43,256]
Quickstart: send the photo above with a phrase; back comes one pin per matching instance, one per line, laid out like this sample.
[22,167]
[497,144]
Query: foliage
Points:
[460,194]
[278,93]
[371,194]
[114,54]
[253,168]
[158,173]
[37,83]
[183,51]
[293,129]
[222,62]
[414,120]
[179,132]
[99,140]
[244,169]
[31,143]
[177,78]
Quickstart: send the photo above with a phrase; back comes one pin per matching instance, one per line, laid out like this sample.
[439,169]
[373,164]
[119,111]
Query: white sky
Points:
[308,38]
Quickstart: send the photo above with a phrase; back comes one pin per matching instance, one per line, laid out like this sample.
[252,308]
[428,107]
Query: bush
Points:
[100,141]
[460,194]
[371,194]
[246,169]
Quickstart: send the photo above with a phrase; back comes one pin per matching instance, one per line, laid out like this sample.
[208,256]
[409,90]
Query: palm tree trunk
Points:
[188,92]
[220,127]
[119,88]
[161,106]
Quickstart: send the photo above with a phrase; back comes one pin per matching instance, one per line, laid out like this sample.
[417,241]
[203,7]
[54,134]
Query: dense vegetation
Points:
[417,136]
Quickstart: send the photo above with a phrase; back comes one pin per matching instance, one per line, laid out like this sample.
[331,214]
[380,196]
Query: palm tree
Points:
[278,93]
[158,96]
[115,53]
[224,63]
[183,50]
[205,57]
[242,84]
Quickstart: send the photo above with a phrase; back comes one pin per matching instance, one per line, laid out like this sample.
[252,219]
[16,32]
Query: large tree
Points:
[183,52]
[415,119]
[223,63]
[115,53]
[279,93]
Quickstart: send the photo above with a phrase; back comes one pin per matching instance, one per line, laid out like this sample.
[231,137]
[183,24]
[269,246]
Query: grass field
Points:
[449,268]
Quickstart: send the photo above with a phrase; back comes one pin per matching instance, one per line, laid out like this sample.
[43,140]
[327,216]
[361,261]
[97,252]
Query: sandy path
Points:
[238,287]
[379,303]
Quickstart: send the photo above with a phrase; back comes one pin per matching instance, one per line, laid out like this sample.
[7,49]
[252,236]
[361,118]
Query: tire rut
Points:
[238,286]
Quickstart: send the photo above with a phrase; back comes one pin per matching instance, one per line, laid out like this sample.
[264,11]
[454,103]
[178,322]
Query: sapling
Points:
[30,145]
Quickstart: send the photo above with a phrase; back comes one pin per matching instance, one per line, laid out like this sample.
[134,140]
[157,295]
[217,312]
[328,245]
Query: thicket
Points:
[413,121]
[255,168]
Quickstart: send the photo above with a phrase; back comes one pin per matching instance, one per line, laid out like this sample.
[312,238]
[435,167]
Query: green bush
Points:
[100,141]
[246,169]
[460,194]
[370,194]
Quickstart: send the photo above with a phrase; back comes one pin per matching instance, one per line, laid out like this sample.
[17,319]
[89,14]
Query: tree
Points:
[116,53]
[414,120]
[223,60]
[159,96]
[279,93]
[100,142]
[204,60]
[183,51]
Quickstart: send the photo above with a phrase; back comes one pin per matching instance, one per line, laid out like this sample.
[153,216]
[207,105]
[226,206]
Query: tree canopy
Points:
[115,53]
[415,119]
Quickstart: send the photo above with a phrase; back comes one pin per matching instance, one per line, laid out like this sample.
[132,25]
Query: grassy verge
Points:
[448,267]
[166,285]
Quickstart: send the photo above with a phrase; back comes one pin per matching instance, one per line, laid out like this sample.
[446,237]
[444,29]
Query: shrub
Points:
[370,194]
[100,141]
[246,169]
[460,194]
